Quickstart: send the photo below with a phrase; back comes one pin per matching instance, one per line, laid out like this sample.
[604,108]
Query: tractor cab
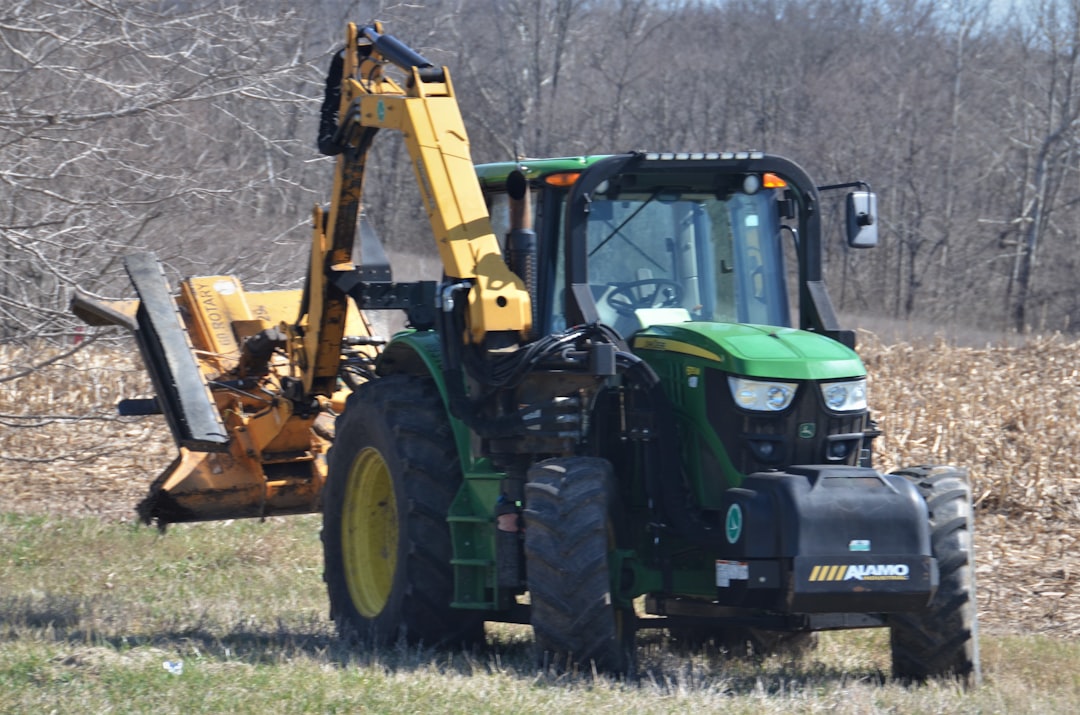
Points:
[643,239]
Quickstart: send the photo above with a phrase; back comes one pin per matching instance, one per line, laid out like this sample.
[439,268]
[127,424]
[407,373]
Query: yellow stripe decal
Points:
[675,346]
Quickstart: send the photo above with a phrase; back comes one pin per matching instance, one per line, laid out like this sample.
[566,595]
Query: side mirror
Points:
[862,219]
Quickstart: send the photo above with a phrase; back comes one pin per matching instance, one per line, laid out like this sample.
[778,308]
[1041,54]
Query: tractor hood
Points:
[755,350]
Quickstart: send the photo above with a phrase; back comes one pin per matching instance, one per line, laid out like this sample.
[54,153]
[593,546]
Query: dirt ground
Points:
[63,452]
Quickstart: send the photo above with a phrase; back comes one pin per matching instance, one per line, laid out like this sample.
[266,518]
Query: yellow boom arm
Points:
[426,114]
[246,383]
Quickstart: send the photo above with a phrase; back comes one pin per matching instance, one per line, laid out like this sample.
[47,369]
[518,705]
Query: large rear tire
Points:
[569,534]
[942,641]
[393,472]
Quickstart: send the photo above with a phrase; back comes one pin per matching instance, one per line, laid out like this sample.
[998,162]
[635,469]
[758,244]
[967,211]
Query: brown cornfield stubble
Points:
[1010,414]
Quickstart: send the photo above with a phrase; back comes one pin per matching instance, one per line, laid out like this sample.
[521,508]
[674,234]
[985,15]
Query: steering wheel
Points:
[625,298]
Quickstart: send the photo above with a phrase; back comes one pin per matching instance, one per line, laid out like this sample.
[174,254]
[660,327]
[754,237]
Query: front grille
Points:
[805,433]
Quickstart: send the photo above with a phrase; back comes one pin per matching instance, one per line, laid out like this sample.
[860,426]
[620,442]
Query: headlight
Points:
[761,396]
[847,396]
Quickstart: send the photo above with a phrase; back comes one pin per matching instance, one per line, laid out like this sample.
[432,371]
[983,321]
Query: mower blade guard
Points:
[183,394]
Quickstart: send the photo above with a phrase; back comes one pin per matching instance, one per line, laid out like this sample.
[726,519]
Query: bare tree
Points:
[129,125]
[514,56]
[188,128]
[1044,136]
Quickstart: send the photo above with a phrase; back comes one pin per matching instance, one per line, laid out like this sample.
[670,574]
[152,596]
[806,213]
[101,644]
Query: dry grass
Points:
[1008,413]
[63,449]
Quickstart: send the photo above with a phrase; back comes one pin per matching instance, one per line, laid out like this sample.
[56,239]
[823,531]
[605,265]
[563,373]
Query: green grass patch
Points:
[91,611]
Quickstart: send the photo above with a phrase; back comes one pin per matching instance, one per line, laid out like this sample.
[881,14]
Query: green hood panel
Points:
[760,351]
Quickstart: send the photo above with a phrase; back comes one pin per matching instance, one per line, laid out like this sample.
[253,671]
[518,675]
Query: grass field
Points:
[93,607]
[93,611]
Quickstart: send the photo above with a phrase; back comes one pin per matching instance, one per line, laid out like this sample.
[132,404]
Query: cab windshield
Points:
[669,255]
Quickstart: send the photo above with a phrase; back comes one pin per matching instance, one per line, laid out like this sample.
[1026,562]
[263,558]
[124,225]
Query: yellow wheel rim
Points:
[369,533]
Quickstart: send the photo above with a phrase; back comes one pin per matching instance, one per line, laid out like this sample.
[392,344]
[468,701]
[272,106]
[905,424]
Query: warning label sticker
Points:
[728,571]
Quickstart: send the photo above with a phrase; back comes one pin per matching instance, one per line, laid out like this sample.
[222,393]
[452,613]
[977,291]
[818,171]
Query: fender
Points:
[418,353]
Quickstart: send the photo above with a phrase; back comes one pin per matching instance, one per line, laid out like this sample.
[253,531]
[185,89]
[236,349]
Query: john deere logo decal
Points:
[733,523]
[807,430]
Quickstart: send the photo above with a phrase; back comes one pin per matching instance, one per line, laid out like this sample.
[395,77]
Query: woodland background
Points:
[187,127]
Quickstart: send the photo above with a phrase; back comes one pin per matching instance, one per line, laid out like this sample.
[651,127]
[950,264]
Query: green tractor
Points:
[669,447]
[626,405]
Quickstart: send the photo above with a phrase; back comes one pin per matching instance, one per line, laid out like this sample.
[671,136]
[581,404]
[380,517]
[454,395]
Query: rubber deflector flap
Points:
[183,393]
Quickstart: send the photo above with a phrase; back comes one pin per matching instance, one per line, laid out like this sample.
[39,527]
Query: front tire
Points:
[569,533]
[942,640]
[393,473]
